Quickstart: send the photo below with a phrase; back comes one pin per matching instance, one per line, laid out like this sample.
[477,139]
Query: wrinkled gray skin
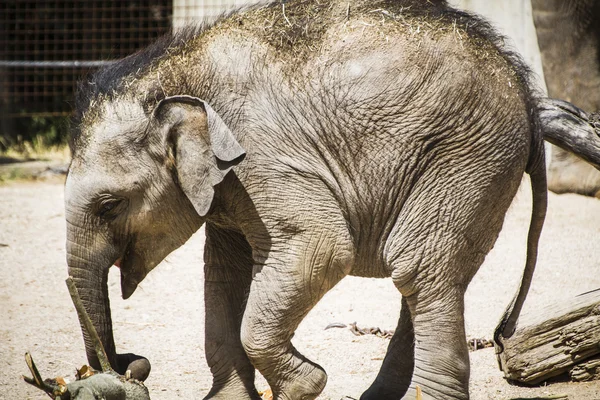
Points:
[568,33]
[571,128]
[358,144]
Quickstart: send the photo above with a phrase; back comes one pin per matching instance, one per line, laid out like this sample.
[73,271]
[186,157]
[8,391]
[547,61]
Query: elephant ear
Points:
[204,148]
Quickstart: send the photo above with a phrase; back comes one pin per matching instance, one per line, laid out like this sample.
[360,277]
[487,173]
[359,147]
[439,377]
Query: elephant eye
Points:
[110,207]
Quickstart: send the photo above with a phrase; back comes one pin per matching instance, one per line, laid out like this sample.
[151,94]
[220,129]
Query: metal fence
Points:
[47,45]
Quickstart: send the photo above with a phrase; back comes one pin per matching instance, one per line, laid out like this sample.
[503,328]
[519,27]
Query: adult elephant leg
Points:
[228,274]
[393,379]
[568,173]
[284,290]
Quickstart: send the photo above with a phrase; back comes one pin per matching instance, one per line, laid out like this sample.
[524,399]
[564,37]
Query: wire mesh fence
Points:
[47,46]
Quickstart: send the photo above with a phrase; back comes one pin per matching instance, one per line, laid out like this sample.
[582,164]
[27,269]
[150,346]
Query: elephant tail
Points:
[536,168]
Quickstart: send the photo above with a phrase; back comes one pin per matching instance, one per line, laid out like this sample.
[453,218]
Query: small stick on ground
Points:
[419,393]
[37,380]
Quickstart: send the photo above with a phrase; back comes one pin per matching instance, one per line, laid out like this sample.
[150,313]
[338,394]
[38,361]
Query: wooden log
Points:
[589,370]
[553,341]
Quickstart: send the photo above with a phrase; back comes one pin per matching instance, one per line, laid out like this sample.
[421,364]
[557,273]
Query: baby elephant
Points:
[313,140]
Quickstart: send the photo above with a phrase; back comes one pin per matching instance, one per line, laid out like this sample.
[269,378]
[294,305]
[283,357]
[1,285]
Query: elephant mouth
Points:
[128,282]
[128,285]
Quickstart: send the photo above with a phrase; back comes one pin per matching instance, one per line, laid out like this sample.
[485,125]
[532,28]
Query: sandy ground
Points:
[164,319]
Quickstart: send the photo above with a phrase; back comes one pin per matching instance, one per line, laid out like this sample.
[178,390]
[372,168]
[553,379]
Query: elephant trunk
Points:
[90,275]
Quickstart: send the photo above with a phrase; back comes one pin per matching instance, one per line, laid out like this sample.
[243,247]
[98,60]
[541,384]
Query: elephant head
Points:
[141,182]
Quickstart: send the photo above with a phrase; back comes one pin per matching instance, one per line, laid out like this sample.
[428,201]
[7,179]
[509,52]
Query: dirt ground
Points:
[164,319]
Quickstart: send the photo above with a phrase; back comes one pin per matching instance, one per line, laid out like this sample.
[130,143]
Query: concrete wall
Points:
[186,11]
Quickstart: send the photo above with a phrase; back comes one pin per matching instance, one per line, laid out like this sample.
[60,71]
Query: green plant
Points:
[34,135]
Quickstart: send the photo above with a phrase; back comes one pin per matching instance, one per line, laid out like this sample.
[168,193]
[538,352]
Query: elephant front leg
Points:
[228,274]
[281,295]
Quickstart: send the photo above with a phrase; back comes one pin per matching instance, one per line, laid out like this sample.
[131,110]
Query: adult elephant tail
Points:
[536,168]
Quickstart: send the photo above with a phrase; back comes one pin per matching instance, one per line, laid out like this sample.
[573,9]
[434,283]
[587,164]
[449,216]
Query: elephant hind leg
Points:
[441,354]
[393,379]
[432,345]
[438,243]
[427,350]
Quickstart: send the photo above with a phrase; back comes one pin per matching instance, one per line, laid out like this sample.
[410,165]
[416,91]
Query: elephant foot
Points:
[232,395]
[237,384]
[306,383]
[424,393]
[232,392]
[382,391]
